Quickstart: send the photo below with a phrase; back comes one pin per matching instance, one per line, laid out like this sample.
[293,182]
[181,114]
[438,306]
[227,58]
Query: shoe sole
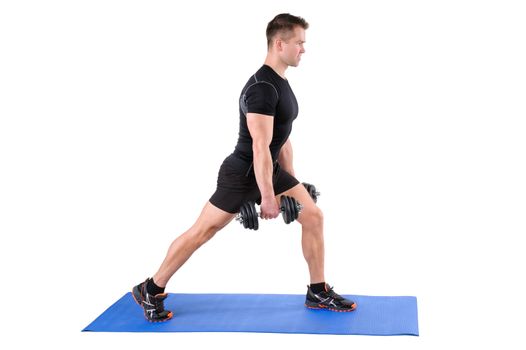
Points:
[315,306]
[168,317]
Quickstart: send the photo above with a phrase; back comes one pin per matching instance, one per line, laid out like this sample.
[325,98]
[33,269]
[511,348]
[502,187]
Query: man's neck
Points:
[278,66]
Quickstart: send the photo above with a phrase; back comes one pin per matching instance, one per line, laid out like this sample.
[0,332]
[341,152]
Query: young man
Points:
[260,169]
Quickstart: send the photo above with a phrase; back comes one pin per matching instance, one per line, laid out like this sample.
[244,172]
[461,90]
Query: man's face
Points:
[292,47]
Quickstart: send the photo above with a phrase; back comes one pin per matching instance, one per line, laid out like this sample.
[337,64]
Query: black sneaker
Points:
[153,305]
[329,300]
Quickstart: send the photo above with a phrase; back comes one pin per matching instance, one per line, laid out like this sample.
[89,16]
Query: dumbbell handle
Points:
[281,209]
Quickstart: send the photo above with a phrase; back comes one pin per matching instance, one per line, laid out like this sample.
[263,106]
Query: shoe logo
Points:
[147,302]
[321,299]
[150,312]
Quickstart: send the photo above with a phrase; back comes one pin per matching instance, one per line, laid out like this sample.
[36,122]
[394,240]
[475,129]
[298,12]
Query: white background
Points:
[115,117]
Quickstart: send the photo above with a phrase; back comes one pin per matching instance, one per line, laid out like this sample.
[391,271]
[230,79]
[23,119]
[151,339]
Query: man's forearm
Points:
[263,169]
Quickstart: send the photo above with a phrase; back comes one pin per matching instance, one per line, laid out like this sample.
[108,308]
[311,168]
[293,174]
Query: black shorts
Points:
[236,184]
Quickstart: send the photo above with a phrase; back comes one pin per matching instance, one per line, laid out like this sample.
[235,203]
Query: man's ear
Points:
[278,44]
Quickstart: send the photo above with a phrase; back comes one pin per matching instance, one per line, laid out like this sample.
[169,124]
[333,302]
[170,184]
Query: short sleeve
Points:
[261,98]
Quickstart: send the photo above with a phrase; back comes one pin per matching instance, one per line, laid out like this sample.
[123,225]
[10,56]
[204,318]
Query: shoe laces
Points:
[155,301]
[158,304]
[333,294]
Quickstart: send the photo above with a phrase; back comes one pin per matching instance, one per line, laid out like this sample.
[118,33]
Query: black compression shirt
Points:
[266,92]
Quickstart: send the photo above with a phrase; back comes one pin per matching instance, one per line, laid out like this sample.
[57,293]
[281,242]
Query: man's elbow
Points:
[260,147]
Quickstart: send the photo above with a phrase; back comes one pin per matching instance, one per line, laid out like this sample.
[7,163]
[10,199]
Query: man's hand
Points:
[269,208]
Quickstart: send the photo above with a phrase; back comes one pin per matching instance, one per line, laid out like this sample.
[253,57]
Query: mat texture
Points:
[264,313]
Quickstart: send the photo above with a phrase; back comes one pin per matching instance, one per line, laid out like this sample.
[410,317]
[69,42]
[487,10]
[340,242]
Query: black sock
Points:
[317,287]
[152,288]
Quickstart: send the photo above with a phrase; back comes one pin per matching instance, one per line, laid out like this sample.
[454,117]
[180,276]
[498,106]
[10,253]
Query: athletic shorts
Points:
[236,184]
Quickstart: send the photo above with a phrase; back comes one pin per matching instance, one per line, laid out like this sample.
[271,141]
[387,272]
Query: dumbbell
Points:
[312,191]
[248,216]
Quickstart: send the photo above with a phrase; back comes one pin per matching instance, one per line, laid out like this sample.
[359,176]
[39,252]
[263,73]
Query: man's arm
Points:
[285,157]
[261,127]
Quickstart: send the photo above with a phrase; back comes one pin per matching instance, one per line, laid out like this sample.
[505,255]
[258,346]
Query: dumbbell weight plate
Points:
[312,191]
[255,220]
[296,209]
[295,212]
[244,212]
[250,216]
[285,208]
[289,211]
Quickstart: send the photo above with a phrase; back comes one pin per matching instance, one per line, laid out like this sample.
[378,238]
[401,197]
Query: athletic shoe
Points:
[329,300]
[153,305]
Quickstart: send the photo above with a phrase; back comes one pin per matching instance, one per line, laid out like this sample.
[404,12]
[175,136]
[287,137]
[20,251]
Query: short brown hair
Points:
[282,23]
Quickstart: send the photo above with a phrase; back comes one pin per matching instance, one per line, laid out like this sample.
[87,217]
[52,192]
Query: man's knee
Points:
[203,233]
[311,217]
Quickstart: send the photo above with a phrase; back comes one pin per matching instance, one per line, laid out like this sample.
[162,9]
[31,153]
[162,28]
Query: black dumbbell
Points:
[312,191]
[248,216]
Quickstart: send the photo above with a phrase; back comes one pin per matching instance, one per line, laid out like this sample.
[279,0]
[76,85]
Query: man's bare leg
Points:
[311,220]
[319,294]
[211,220]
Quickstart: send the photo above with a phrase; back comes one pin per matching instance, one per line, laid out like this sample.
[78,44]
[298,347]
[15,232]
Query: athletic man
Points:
[260,169]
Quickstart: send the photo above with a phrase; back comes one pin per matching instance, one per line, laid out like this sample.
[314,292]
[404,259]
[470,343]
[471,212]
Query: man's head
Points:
[286,36]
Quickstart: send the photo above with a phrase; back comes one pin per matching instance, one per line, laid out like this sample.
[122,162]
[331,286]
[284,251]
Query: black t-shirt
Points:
[266,92]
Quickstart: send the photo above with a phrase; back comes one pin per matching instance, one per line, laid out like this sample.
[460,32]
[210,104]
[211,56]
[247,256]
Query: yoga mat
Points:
[264,313]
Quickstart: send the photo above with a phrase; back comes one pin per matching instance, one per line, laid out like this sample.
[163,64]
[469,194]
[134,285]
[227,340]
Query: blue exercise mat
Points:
[264,313]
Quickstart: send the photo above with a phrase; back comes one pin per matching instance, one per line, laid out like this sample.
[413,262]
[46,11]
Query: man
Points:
[260,169]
